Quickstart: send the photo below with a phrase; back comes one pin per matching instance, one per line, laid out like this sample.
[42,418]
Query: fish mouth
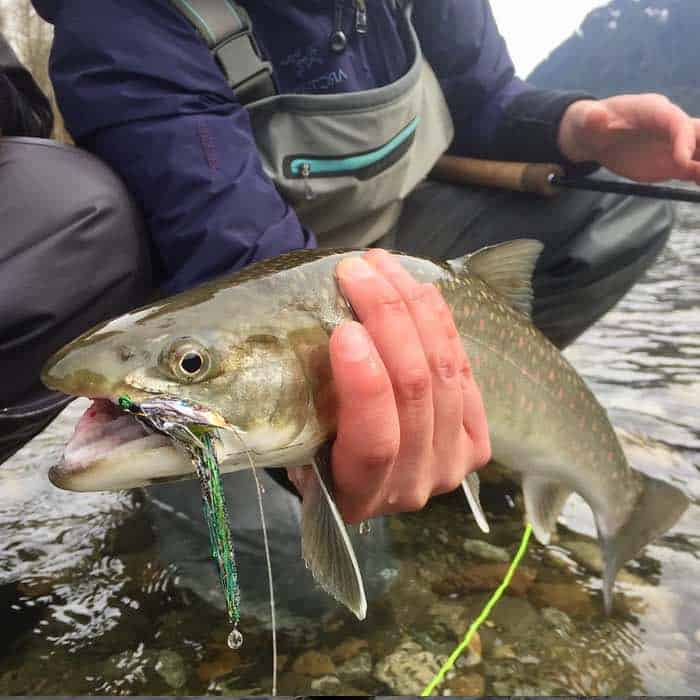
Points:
[111,450]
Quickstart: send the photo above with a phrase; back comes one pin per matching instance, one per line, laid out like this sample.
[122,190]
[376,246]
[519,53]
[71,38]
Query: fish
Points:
[247,356]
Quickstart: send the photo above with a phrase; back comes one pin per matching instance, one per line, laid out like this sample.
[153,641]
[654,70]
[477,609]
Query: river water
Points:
[114,593]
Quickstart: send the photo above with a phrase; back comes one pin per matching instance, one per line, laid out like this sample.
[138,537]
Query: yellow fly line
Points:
[483,616]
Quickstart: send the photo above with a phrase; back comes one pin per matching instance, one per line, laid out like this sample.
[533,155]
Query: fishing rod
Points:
[545,179]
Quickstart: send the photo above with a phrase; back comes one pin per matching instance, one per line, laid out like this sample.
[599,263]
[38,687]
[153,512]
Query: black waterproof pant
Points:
[74,252]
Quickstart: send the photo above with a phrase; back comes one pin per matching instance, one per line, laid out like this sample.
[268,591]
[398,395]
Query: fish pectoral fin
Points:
[325,544]
[472,487]
[657,509]
[544,501]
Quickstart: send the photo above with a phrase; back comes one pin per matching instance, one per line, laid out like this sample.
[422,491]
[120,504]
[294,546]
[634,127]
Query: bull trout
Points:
[247,355]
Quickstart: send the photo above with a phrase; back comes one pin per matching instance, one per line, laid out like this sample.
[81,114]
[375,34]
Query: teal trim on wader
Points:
[302,166]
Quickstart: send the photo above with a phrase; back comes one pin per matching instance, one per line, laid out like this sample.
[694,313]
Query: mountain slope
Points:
[631,46]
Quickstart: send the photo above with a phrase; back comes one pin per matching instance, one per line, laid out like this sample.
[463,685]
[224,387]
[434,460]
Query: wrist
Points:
[571,137]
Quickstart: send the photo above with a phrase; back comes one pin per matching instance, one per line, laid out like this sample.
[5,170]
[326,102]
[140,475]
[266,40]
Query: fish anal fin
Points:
[472,487]
[657,509]
[507,268]
[544,501]
[325,545]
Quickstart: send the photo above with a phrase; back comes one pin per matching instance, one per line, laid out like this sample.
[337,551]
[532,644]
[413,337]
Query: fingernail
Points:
[354,344]
[355,268]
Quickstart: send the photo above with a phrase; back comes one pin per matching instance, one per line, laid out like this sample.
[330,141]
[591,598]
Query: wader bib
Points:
[344,162]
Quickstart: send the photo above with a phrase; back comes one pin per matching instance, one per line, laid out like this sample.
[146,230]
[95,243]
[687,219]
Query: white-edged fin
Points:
[325,545]
[472,487]
[507,268]
[544,501]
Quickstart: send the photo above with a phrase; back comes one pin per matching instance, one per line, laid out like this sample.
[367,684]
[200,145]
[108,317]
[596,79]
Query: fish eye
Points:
[191,363]
[186,360]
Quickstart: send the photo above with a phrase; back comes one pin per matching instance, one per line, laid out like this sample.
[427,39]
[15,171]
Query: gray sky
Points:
[532,28]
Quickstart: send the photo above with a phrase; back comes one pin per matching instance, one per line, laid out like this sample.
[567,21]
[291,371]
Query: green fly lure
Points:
[216,516]
[165,416]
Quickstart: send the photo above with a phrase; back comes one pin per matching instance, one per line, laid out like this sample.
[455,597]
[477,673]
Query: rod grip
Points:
[520,177]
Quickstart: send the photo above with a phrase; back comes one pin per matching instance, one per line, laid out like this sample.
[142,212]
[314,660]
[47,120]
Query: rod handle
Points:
[520,177]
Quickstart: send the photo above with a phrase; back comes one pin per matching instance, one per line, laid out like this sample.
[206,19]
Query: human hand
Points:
[642,137]
[411,422]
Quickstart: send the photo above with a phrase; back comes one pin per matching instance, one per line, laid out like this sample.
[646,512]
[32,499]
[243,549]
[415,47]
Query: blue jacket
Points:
[138,87]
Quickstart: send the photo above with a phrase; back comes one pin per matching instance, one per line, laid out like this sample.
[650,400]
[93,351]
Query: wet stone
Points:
[483,550]
[359,667]
[515,616]
[314,664]
[503,651]
[221,665]
[325,684]
[468,685]
[485,577]
[170,666]
[570,598]
[348,649]
[408,669]
[559,620]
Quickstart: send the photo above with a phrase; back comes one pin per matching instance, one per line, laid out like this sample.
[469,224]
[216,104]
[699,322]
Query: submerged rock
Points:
[485,577]
[314,664]
[589,556]
[348,649]
[484,550]
[571,598]
[170,666]
[221,665]
[468,685]
[559,620]
[408,669]
[357,668]
[325,684]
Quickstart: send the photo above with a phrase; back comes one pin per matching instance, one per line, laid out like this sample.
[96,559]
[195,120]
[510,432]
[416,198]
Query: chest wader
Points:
[345,162]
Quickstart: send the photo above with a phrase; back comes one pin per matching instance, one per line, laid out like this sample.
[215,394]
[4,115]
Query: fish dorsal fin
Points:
[507,268]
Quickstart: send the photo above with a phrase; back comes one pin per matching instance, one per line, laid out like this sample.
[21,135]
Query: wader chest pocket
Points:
[361,166]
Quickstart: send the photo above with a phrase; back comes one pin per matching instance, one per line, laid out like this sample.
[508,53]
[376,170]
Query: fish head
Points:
[249,381]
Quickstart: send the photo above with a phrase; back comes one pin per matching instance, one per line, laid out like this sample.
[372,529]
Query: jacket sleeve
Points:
[138,87]
[496,115]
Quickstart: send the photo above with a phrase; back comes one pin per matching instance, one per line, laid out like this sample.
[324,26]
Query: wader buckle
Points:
[227,29]
[247,73]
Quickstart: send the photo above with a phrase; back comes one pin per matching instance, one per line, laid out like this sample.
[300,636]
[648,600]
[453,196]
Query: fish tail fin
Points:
[657,509]
[325,544]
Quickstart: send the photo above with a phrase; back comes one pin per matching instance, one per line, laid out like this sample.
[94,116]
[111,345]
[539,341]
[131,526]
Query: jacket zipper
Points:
[361,165]
[361,16]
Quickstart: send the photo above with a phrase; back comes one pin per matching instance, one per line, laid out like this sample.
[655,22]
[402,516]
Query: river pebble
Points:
[357,668]
[314,664]
[170,666]
[408,669]
[484,550]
